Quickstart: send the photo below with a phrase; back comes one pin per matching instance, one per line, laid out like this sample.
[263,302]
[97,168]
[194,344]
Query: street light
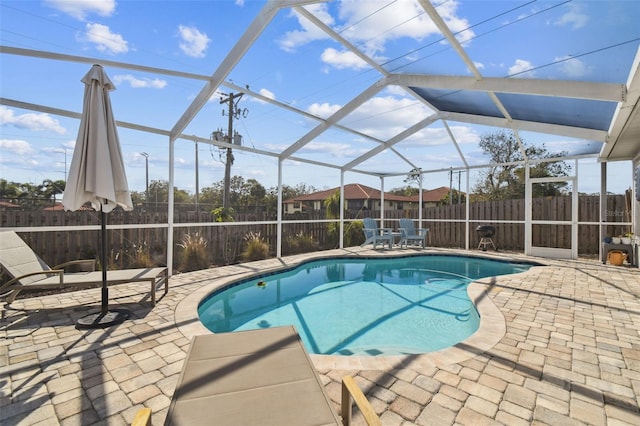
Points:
[146,161]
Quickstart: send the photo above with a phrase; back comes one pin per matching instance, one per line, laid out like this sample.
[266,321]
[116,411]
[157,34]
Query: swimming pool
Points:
[361,306]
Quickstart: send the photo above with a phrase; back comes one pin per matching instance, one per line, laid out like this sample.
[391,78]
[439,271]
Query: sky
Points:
[297,65]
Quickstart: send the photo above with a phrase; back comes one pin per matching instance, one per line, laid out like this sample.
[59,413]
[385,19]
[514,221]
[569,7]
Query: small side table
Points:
[627,248]
[396,237]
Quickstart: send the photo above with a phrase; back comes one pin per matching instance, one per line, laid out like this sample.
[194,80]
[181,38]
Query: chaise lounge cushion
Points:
[258,377]
[29,272]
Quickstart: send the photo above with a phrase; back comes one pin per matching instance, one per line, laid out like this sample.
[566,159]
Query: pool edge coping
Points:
[491,330]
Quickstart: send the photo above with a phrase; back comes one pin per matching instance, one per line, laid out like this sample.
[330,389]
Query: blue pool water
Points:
[363,306]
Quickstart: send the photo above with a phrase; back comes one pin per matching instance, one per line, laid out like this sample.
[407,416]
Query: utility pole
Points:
[197,184]
[459,193]
[233,112]
[146,168]
[451,186]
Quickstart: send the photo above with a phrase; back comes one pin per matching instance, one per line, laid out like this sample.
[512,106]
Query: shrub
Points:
[223,215]
[141,257]
[194,253]
[353,233]
[299,243]
[255,247]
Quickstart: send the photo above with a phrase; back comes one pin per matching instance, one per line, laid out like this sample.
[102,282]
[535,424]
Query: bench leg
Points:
[154,286]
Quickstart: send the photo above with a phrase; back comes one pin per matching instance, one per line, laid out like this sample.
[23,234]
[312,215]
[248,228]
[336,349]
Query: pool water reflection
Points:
[361,306]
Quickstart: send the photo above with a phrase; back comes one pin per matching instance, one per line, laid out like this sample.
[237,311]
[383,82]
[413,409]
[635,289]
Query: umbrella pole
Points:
[105,317]
[105,289]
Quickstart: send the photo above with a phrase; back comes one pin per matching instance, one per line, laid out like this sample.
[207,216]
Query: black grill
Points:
[485,231]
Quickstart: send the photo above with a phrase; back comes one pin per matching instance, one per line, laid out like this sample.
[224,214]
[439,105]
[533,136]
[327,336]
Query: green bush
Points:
[255,247]
[194,253]
[354,233]
[223,215]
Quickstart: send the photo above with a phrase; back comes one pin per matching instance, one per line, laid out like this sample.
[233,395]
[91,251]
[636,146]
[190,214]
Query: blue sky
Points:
[296,64]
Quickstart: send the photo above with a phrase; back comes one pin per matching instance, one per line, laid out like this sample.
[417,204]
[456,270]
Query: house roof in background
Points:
[431,195]
[8,205]
[352,191]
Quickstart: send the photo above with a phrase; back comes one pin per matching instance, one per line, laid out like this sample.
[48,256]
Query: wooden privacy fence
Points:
[226,242]
[447,228]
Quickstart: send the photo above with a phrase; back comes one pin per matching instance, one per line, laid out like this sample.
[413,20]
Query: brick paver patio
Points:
[562,348]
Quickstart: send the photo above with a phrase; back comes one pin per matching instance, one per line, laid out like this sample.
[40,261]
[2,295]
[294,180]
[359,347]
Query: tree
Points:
[413,177]
[211,196]
[49,188]
[289,192]
[458,197]
[257,192]
[9,191]
[159,193]
[249,193]
[137,197]
[505,180]
[407,191]
[332,205]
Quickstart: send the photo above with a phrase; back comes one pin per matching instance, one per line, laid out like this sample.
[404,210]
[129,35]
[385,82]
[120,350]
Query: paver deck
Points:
[559,344]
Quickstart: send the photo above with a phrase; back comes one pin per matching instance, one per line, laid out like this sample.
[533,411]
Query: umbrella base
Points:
[103,320]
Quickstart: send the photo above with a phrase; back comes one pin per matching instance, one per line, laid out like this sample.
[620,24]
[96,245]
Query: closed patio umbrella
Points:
[97,175]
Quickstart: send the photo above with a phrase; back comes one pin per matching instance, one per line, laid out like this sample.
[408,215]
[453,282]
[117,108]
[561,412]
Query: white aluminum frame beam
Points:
[625,112]
[532,126]
[524,86]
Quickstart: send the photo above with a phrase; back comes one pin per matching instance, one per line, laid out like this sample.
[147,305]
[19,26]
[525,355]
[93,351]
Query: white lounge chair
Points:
[374,235]
[29,272]
[411,234]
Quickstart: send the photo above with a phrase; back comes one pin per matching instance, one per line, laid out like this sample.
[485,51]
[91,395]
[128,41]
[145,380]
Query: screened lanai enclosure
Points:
[526,112]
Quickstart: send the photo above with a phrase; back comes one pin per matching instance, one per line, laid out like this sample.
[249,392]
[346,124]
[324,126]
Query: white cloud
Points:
[395,90]
[332,150]
[371,24]
[368,23]
[30,121]
[308,32]
[79,9]
[343,59]
[104,40]
[138,83]
[381,117]
[386,116]
[573,18]
[438,136]
[66,147]
[574,68]
[193,42]
[16,146]
[267,94]
[324,110]
[181,162]
[521,66]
